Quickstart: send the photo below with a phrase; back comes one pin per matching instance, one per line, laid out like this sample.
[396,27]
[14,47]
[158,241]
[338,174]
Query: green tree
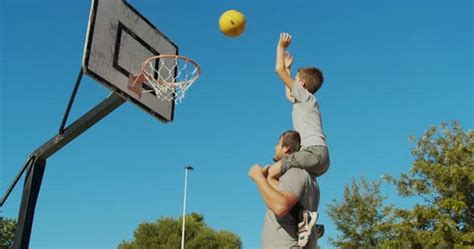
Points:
[361,216]
[441,181]
[166,233]
[7,232]
[442,177]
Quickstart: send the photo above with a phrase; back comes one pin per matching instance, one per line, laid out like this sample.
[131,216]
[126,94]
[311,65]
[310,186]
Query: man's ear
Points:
[286,149]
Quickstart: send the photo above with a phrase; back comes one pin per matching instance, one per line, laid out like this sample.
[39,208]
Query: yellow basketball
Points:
[232,23]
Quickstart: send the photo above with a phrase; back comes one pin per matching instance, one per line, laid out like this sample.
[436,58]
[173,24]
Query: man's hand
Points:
[285,40]
[257,172]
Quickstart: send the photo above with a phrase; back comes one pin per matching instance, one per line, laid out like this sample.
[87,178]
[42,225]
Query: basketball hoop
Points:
[168,77]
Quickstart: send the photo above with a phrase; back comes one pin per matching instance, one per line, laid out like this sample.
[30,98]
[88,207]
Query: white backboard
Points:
[119,39]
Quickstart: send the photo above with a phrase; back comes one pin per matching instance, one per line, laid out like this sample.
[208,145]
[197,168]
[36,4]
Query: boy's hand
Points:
[275,171]
[288,60]
[285,40]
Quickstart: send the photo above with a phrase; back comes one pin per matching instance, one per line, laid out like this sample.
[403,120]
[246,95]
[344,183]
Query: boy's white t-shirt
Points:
[306,117]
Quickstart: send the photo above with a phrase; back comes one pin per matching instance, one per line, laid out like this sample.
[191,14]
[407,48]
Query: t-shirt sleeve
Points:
[293,181]
[300,93]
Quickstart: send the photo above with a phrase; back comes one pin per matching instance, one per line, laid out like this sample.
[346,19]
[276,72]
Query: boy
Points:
[313,156]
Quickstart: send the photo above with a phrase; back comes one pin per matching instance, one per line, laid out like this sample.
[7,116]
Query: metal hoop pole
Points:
[15,181]
[71,101]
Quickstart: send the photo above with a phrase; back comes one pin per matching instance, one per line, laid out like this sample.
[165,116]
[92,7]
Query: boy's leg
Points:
[314,159]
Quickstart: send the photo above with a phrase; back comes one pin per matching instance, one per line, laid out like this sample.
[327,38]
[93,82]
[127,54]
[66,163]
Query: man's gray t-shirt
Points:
[280,233]
[307,117]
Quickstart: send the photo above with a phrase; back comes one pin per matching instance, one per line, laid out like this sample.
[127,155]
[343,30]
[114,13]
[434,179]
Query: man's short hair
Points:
[313,77]
[292,140]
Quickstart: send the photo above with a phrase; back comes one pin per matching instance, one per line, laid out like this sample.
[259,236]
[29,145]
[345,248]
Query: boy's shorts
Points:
[314,159]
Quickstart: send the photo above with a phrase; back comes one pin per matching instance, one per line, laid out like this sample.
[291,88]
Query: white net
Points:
[169,76]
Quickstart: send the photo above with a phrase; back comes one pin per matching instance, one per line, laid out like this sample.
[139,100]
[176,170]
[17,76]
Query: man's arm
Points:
[280,69]
[279,202]
[273,182]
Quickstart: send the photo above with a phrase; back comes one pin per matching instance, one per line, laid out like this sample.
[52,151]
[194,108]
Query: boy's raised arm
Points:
[280,67]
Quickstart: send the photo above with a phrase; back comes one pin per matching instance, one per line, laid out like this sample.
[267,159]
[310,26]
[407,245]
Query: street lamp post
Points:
[186,169]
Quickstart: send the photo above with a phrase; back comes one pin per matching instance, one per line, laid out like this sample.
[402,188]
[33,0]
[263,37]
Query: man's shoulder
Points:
[295,181]
[293,173]
[295,170]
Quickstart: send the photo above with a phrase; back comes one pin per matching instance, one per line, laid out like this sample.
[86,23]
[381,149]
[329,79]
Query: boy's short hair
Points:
[292,140]
[313,77]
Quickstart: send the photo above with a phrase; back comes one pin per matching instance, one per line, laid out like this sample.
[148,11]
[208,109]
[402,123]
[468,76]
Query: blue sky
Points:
[392,68]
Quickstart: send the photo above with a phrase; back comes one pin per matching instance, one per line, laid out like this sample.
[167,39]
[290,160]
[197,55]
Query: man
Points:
[296,189]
